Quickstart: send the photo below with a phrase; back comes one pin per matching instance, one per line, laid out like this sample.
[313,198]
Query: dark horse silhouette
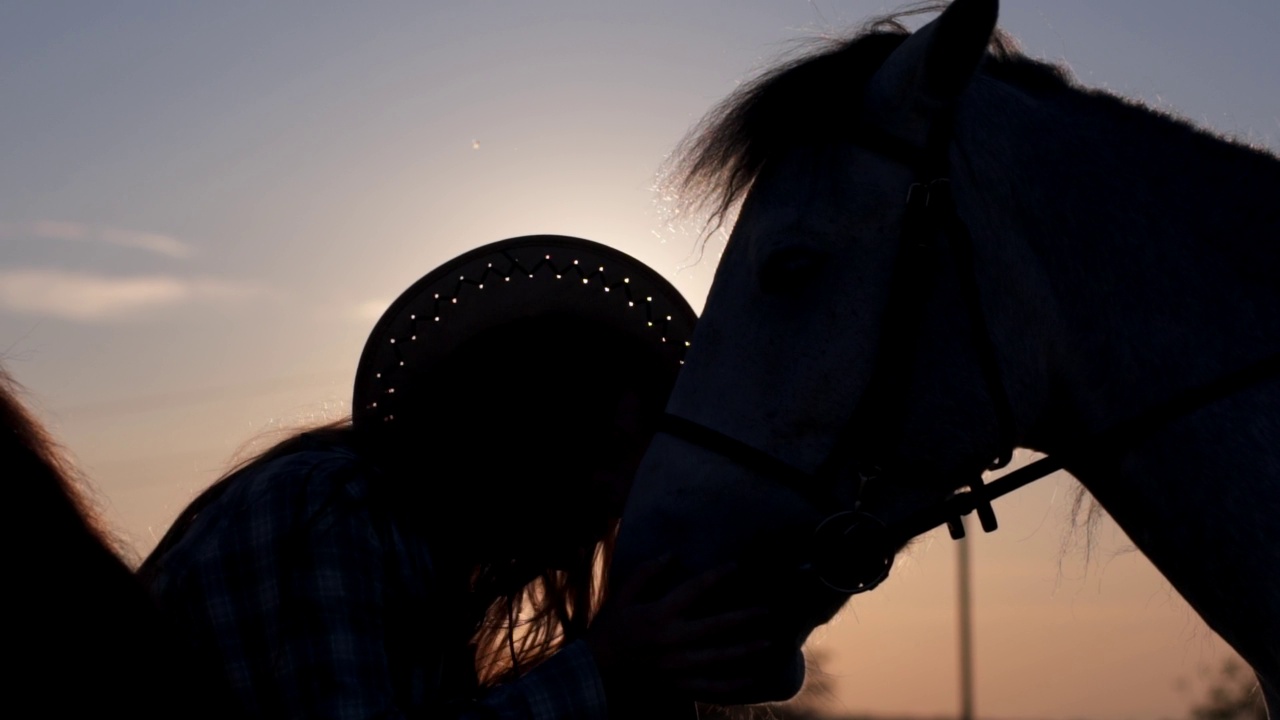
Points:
[946,250]
[84,639]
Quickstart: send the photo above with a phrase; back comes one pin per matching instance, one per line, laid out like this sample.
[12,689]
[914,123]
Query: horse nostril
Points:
[789,269]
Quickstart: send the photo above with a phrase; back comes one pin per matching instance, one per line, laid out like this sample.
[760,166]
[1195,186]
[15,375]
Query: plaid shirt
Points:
[306,601]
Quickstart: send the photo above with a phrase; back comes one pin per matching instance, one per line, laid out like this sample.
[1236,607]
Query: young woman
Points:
[442,554]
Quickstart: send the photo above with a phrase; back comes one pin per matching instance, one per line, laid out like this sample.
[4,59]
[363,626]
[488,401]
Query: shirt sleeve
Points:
[567,685]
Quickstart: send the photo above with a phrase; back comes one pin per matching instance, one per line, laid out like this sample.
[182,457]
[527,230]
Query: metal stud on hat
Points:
[502,282]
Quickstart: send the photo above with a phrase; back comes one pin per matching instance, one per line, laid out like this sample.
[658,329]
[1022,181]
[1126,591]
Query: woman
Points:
[442,554]
[85,639]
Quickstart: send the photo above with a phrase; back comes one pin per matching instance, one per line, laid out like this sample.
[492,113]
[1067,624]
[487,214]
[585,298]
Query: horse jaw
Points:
[740,511]
[922,81]
[705,509]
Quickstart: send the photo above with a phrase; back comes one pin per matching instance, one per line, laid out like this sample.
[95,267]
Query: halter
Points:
[851,551]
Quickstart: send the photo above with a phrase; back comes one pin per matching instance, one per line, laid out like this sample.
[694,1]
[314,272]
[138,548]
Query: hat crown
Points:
[502,282]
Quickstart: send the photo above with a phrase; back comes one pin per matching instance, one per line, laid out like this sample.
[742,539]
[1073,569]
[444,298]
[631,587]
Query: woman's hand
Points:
[647,642]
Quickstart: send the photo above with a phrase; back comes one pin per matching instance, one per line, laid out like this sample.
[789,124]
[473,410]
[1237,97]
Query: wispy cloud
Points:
[157,243]
[367,311]
[90,298]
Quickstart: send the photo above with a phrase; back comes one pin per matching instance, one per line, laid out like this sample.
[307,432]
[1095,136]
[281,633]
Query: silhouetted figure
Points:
[83,637]
[945,250]
[442,554]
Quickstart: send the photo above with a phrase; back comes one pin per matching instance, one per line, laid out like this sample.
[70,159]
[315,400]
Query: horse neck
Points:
[1159,243]
[1140,254]
[1151,253]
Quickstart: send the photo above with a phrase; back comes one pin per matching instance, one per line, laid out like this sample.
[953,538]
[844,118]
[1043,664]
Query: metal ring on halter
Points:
[851,553]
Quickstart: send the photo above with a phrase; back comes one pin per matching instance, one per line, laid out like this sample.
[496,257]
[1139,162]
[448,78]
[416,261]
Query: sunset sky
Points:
[205,206]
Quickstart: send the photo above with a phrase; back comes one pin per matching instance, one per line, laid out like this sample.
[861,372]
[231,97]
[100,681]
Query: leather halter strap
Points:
[931,227]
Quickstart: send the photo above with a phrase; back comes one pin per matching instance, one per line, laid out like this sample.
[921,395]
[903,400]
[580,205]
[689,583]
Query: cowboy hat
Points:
[504,282]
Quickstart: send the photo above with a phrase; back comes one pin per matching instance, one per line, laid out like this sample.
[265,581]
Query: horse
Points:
[86,639]
[945,250]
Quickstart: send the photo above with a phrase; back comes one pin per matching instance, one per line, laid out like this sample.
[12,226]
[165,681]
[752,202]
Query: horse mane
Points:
[792,104]
[86,620]
[48,483]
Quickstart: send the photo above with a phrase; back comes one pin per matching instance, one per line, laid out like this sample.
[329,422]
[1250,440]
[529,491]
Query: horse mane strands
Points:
[811,96]
[51,481]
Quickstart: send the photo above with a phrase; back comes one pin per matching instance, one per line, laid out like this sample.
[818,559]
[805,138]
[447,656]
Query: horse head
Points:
[809,416]
[945,250]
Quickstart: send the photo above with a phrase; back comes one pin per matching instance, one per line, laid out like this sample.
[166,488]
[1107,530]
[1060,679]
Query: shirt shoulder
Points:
[274,503]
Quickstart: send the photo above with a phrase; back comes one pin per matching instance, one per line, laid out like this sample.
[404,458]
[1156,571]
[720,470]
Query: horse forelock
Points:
[811,98]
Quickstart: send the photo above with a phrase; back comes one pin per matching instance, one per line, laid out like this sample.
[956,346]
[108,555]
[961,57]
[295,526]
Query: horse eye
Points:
[789,269]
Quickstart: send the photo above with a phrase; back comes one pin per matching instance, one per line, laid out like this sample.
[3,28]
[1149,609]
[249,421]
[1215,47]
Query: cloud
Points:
[90,298]
[368,311]
[75,231]
[153,242]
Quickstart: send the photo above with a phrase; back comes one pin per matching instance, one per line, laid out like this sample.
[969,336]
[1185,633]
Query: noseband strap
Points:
[742,453]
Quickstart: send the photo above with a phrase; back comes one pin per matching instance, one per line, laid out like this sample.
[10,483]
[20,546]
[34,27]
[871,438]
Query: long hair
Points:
[522,628]
[489,422]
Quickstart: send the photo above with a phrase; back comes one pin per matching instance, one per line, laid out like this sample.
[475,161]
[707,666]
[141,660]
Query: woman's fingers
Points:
[739,621]
[645,574]
[699,586]
[736,673]
[688,664]
[699,638]
[713,690]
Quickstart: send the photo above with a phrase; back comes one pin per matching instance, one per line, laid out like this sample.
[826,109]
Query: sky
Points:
[205,206]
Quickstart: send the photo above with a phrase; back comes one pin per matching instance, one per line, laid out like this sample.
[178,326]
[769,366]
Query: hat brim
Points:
[498,283]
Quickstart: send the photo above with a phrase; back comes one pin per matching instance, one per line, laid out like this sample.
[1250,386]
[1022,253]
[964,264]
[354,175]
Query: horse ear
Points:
[923,79]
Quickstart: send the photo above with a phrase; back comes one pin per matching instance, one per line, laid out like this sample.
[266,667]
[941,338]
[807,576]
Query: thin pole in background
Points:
[966,627]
